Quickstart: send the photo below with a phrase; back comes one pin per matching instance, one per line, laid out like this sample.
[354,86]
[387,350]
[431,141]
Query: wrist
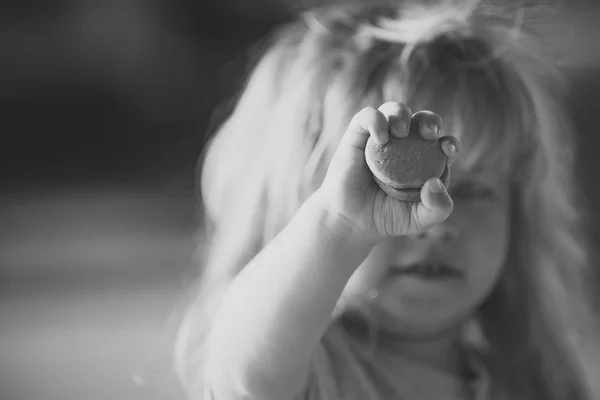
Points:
[339,226]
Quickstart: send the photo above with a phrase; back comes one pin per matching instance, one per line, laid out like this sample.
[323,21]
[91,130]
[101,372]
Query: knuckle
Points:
[391,106]
[366,114]
[395,108]
[369,110]
[426,116]
[419,114]
[375,115]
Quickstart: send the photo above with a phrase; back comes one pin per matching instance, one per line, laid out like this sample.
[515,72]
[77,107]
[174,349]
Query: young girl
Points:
[317,285]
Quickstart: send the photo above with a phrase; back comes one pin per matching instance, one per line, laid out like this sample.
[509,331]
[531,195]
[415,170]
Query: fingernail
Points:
[437,187]
[385,137]
[432,128]
[451,147]
[399,126]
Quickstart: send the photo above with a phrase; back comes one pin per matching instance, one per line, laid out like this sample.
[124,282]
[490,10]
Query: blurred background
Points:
[105,107]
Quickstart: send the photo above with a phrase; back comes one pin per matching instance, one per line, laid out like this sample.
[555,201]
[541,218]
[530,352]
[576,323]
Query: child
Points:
[319,286]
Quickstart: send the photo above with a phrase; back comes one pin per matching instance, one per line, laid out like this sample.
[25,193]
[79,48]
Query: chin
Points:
[423,326]
[425,333]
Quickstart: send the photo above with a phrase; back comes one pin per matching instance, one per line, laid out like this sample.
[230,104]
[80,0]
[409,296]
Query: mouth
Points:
[428,270]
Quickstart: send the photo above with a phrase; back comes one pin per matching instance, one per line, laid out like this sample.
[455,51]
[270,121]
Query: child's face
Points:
[473,242]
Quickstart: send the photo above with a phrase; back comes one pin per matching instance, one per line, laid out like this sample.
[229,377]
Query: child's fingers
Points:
[368,122]
[398,116]
[427,124]
[451,147]
[435,205]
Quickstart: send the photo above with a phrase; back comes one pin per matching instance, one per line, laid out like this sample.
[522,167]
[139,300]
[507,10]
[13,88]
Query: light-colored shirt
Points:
[395,378]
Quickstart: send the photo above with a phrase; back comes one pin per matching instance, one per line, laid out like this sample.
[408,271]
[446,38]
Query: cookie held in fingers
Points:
[403,165]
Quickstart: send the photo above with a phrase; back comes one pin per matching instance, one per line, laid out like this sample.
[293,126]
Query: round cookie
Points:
[403,165]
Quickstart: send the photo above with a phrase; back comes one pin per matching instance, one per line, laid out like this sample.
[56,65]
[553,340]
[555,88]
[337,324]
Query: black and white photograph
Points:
[300,200]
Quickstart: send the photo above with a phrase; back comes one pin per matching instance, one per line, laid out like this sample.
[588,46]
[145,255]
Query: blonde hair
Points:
[492,81]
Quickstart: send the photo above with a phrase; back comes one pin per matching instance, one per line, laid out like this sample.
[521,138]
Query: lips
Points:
[428,270]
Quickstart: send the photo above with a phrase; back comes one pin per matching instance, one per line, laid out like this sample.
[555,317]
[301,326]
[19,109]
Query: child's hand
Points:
[349,192]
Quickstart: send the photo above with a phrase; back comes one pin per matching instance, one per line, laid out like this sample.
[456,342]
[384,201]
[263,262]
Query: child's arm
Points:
[278,308]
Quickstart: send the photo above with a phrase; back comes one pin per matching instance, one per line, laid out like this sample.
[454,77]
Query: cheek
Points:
[484,248]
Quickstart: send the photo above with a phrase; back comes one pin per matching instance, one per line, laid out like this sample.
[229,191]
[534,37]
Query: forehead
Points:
[485,107]
[492,140]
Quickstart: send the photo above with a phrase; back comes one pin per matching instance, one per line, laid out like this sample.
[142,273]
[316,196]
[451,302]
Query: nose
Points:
[442,233]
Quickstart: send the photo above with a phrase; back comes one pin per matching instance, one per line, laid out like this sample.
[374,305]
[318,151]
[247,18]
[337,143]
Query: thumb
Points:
[435,205]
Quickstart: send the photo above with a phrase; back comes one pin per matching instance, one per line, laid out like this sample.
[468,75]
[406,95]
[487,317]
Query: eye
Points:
[472,191]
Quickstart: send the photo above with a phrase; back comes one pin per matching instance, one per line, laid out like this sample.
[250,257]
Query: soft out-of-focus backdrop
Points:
[105,107]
